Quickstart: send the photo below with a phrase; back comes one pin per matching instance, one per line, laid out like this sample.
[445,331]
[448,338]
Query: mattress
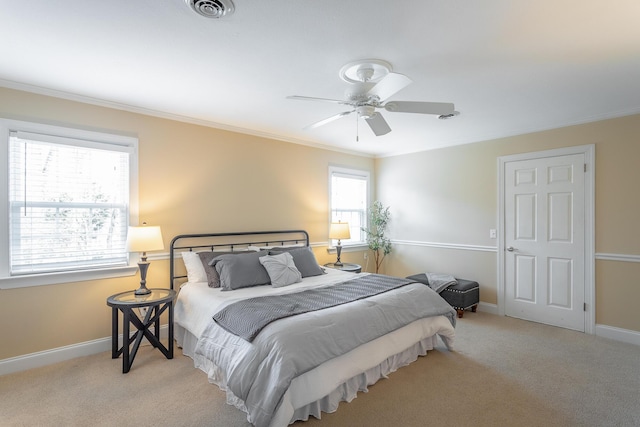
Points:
[322,388]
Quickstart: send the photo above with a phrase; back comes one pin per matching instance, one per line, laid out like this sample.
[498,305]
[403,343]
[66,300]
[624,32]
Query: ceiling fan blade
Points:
[378,124]
[311,98]
[420,107]
[390,85]
[328,120]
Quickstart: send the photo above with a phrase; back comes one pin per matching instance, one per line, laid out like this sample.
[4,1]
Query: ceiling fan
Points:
[372,84]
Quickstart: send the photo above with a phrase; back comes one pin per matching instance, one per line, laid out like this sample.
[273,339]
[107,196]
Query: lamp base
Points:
[142,290]
[338,251]
[144,266]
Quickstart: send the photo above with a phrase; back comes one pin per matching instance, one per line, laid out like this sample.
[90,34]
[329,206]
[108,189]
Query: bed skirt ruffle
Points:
[346,390]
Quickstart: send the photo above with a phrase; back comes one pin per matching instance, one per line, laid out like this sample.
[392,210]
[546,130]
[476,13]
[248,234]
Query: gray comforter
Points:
[246,318]
[260,372]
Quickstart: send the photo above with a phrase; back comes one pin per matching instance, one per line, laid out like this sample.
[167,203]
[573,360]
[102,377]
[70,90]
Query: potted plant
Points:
[375,232]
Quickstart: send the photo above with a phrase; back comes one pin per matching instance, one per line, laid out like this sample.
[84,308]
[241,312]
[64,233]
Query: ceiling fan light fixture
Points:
[366,111]
[214,9]
[371,84]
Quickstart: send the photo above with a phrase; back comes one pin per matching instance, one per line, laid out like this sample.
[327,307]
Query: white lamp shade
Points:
[339,230]
[144,239]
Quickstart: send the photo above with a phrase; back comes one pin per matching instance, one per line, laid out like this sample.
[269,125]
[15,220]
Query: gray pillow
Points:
[303,258]
[213,279]
[281,269]
[241,271]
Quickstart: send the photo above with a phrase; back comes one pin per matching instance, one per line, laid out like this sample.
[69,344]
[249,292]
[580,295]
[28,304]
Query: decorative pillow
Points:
[281,269]
[303,258]
[240,271]
[213,279]
[195,269]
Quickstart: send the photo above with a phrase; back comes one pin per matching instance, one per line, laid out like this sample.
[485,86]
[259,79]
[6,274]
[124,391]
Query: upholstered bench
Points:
[464,295]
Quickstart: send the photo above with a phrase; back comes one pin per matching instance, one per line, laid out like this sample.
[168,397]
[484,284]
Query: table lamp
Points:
[143,239]
[339,230]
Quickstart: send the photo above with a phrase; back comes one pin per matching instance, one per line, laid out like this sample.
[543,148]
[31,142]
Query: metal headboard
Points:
[230,241]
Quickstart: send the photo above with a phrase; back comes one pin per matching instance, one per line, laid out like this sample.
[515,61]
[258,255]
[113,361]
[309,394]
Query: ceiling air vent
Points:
[212,8]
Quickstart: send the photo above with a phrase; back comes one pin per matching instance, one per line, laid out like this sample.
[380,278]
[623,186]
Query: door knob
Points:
[511,249]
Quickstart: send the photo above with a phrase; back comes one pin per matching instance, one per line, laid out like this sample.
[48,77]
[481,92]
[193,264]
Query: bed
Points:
[287,339]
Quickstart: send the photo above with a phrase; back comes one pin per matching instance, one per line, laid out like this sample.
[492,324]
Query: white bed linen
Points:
[197,303]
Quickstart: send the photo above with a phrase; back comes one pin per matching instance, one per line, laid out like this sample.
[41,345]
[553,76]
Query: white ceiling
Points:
[510,67]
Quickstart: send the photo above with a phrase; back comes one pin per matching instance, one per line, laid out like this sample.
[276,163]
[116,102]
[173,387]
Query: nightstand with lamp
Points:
[340,230]
[150,302]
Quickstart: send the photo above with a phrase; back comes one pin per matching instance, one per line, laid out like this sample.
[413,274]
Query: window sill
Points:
[351,248]
[28,280]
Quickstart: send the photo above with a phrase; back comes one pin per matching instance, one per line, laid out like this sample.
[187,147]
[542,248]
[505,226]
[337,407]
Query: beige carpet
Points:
[504,372]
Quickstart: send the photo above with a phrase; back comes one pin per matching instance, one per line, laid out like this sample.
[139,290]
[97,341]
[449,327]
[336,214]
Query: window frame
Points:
[7,281]
[356,174]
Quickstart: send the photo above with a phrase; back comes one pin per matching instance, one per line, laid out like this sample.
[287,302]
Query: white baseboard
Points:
[60,354]
[618,334]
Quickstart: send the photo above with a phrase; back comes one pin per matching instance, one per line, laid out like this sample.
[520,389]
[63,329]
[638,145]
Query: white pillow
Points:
[281,269]
[195,269]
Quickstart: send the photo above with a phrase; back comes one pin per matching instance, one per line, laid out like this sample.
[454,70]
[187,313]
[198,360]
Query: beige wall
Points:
[192,179]
[195,179]
[450,196]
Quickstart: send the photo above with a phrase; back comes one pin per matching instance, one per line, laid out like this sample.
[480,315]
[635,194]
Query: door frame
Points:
[589,225]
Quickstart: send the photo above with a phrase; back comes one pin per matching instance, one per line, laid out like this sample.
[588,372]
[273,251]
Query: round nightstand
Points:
[352,268]
[155,303]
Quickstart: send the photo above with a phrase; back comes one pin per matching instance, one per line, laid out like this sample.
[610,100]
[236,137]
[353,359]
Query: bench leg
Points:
[460,313]
[473,309]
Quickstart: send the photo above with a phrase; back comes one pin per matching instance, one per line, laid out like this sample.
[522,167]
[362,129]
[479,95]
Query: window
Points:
[349,199]
[67,195]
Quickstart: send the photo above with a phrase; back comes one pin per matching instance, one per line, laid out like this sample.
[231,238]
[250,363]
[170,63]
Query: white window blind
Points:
[68,203]
[349,200]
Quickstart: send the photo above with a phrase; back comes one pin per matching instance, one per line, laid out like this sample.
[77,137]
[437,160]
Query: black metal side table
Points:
[155,303]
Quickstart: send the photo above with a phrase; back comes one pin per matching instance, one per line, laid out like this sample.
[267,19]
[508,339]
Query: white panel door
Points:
[545,240]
